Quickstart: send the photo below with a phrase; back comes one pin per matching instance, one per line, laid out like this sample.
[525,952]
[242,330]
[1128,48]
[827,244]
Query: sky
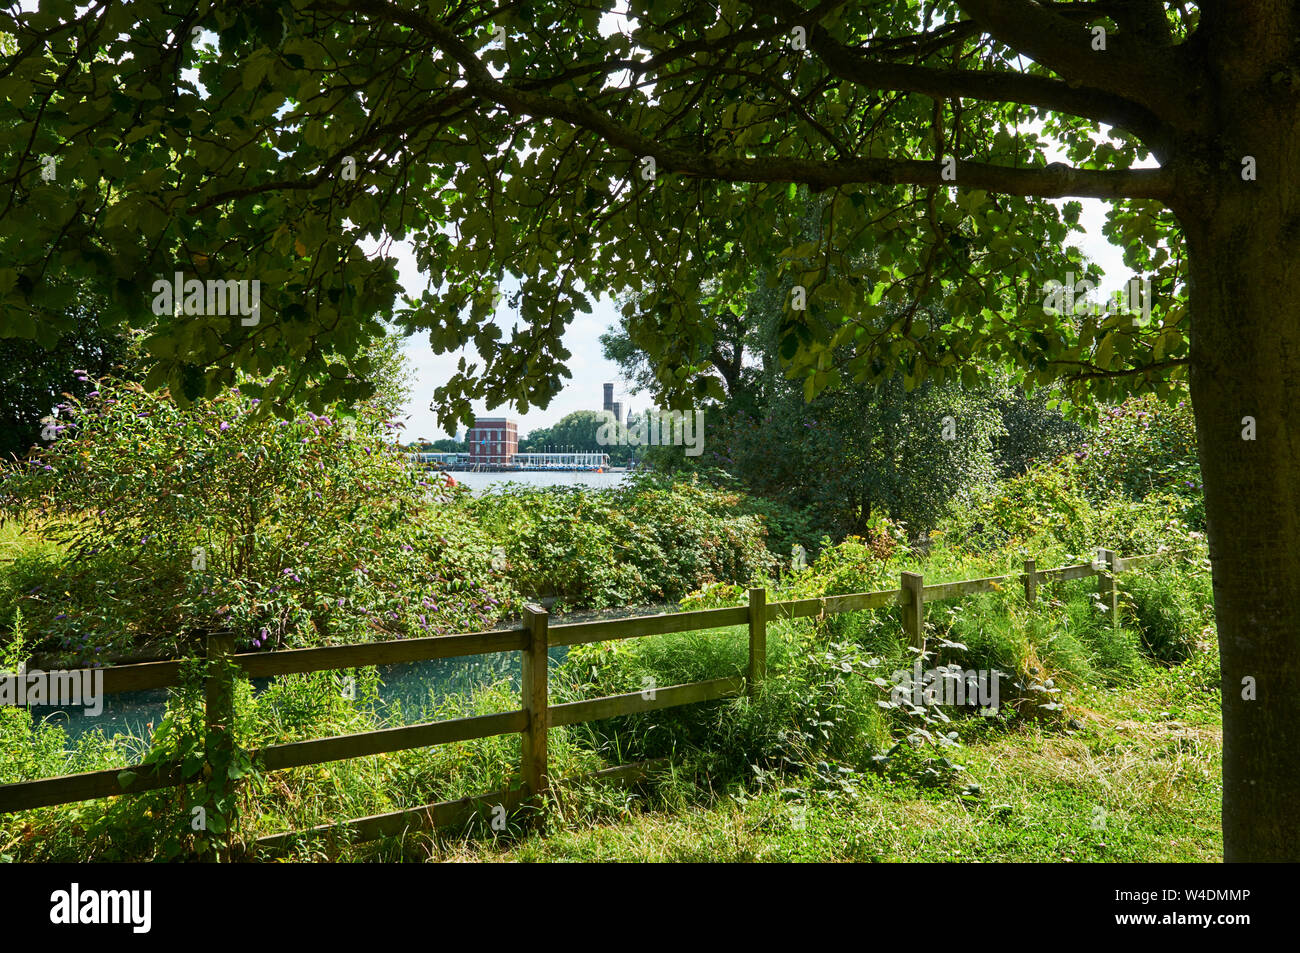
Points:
[583,391]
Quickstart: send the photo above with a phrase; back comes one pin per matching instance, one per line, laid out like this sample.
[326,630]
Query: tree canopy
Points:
[666,151]
[282,142]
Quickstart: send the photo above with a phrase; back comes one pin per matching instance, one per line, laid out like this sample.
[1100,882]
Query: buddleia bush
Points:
[173,523]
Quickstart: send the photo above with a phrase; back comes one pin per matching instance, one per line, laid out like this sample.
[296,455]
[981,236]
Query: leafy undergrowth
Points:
[1138,781]
[1102,745]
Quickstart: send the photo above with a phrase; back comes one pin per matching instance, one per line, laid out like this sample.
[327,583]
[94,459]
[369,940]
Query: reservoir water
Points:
[481,482]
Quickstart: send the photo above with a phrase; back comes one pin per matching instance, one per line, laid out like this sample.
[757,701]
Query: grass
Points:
[1131,785]
[1117,760]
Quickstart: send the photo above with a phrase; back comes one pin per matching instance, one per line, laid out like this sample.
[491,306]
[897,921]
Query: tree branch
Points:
[1052,181]
[1151,76]
[992,85]
[863,69]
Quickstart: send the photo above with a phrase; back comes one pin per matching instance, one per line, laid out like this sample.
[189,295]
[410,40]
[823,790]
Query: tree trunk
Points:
[1244,249]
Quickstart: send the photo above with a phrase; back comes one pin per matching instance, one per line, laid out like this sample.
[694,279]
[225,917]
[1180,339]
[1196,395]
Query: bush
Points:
[814,704]
[1142,446]
[647,541]
[175,523]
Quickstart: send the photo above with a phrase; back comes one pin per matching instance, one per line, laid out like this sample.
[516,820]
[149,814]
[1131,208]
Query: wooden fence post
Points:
[757,639]
[535,702]
[1107,588]
[913,614]
[219,720]
[1031,582]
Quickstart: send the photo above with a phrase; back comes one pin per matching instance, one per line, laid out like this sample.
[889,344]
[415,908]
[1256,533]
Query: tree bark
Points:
[1244,254]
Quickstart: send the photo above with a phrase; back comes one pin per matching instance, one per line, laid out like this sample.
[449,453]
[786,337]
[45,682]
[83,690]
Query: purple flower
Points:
[224,425]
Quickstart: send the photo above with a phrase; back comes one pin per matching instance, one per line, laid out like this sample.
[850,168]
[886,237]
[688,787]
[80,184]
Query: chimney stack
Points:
[611,406]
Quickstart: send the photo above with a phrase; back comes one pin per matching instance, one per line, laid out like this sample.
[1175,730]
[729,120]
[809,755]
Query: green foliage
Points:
[1140,447]
[860,452]
[648,540]
[1045,498]
[815,704]
[38,376]
[1032,432]
[820,732]
[1134,488]
[203,817]
[218,517]
[1173,613]
[495,190]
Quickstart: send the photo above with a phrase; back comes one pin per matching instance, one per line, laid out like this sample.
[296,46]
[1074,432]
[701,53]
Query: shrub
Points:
[647,541]
[177,522]
[1139,447]
[814,704]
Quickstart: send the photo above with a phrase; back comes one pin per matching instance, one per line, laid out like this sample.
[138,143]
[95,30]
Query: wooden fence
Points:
[534,717]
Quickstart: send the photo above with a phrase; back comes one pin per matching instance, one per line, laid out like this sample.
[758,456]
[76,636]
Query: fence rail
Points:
[535,716]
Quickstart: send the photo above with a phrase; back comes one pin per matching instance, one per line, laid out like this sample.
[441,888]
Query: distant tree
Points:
[721,354]
[1032,431]
[863,451]
[578,432]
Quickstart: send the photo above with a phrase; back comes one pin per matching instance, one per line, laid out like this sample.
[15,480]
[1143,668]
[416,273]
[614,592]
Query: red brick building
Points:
[493,440]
